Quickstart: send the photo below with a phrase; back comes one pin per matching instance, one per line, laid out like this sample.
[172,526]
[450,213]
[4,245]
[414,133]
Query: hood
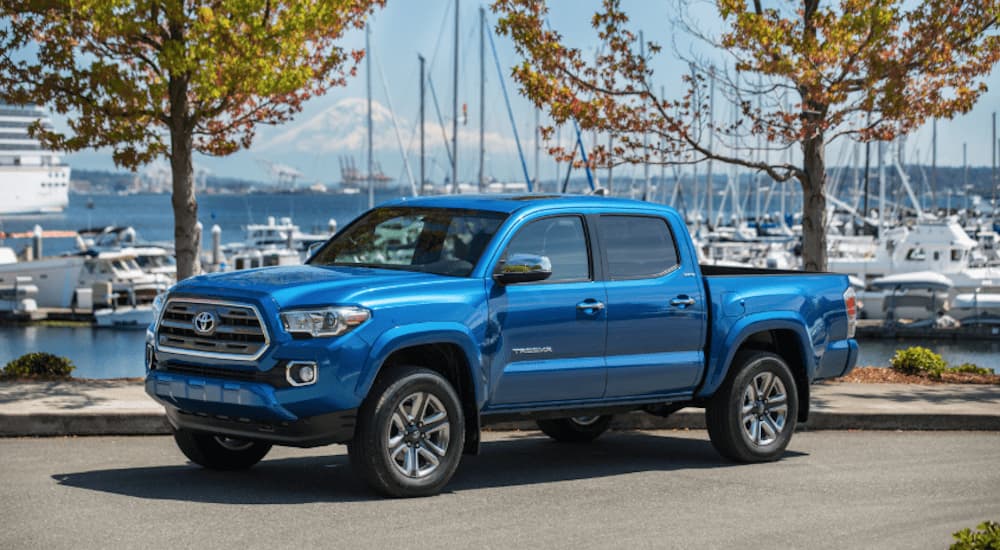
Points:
[305,285]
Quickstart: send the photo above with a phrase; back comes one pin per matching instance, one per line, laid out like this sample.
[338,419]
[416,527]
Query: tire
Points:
[218,452]
[751,418]
[410,433]
[578,429]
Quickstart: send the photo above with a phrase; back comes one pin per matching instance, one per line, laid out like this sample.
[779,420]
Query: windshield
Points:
[444,241]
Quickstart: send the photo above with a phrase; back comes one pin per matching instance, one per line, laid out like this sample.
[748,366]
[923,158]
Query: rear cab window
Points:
[637,247]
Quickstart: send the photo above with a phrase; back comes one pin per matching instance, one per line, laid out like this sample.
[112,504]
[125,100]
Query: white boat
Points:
[282,232]
[151,258]
[929,280]
[32,179]
[941,246]
[62,281]
[18,297]
[134,317]
[976,308]
[250,258]
[920,296]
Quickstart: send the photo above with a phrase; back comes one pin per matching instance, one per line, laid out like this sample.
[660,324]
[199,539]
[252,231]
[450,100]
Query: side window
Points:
[562,239]
[637,247]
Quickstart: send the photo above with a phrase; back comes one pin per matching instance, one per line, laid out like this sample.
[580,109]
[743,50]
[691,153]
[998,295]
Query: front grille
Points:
[237,333]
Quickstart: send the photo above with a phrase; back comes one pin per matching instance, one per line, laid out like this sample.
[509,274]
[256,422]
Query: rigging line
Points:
[437,109]
[395,126]
[440,34]
[510,112]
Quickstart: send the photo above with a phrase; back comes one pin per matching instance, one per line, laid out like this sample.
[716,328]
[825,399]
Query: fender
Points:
[416,334]
[744,328]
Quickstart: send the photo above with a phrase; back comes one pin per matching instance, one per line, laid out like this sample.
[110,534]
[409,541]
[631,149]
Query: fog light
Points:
[301,373]
[306,374]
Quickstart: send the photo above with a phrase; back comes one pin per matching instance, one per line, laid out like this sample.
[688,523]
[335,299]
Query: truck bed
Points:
[810,305]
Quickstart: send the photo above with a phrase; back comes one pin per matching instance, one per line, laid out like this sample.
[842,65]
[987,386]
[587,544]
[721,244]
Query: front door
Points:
[656,309]
[552,332]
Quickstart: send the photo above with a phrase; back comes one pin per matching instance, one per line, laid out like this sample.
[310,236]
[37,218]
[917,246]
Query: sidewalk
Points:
[112,407]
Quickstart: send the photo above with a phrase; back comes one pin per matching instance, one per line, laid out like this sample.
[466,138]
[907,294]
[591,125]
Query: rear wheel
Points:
[577,429]
[219,452]
[410,433]
[752,416]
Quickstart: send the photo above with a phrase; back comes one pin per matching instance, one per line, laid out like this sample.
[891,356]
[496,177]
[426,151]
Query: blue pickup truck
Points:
[426,319]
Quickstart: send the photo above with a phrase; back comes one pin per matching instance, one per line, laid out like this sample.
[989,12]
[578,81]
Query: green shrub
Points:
[986,538]
[918,360]
[970,368]
[41,364]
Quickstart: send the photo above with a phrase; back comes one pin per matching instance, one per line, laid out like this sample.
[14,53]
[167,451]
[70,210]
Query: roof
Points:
[509,203]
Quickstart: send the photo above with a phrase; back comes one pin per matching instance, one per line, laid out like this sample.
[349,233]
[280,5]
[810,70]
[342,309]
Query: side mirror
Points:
[523,268]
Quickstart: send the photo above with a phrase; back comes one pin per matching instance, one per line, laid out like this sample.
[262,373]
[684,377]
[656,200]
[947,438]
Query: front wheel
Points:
[410,433]
[752,416]
[578,429]
[219,452]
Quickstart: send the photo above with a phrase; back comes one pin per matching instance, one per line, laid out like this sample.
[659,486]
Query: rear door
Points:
[656,308]
[551,332]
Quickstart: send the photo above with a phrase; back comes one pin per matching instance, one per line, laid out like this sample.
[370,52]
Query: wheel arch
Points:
[447,350]
[786,337]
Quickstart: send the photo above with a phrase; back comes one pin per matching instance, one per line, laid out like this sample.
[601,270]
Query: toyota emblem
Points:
[204,323]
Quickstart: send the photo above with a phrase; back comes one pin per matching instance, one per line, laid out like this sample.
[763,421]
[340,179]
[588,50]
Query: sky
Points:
[332,126]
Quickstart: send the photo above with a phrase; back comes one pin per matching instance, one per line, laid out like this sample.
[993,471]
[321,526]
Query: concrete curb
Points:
[55,424]
[83,424]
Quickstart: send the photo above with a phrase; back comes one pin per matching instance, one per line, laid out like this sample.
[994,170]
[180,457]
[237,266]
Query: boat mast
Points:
[709,184]
[645,135]
[368,91]
[934,166]
[538,147]
[423,178]
[694,166]
[482,94]
[663,160]
[510,113]
[993,149]
[454,110]
[868,165]
[965,172]
[881,187]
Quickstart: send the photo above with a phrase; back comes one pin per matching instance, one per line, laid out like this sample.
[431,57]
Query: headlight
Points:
[158,302]
[329,321]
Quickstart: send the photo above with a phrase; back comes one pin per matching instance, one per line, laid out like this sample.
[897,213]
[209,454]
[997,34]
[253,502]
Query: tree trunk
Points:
[187,238]
[814,204]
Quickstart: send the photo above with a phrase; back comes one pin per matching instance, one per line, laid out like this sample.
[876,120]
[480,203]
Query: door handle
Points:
[682,301]
[589,305]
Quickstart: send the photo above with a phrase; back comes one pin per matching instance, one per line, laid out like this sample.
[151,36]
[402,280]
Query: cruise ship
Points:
[32,179]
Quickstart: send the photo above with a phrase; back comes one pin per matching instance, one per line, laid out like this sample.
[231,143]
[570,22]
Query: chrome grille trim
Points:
[240,327]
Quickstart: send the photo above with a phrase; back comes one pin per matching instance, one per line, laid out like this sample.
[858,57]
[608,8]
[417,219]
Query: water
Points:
[97,353]
[152,215]
[105,353]
[985,353]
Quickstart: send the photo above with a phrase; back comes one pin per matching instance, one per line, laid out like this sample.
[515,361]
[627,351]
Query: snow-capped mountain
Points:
[340,128]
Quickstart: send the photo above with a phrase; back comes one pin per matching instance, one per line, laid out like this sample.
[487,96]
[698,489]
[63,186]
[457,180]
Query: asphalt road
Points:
[627,490]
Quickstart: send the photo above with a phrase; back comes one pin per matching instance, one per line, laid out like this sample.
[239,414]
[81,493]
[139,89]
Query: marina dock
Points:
[873,329]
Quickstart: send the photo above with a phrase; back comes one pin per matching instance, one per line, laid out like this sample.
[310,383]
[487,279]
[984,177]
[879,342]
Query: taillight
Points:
[851,304]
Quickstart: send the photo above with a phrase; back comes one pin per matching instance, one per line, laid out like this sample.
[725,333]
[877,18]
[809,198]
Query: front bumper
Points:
[246,410]
[325,429]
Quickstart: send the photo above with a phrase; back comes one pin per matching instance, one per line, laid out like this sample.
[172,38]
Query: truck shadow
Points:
[508,462]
